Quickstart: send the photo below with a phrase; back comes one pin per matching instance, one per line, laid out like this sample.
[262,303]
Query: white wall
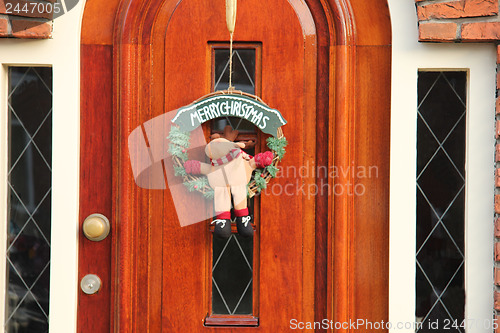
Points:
[408,57]
[62,52]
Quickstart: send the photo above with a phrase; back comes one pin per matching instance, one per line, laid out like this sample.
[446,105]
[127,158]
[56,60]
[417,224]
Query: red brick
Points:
[497,154]
[498,54]
[437,32]
[457,9]
[497,178]
[31,29]
[498,78]
[481,31]
[497,134]
[498,105]
[497,204]
[497,276]
[4,27]
[497,320]
[497,251]
[497,300]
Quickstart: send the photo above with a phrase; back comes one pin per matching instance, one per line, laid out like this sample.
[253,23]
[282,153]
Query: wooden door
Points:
[157,56]
[180,259]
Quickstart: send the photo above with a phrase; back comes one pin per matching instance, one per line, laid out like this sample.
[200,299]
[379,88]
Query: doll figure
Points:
[228,174]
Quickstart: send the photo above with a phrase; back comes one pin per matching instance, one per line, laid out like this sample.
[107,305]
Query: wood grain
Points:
[95,183]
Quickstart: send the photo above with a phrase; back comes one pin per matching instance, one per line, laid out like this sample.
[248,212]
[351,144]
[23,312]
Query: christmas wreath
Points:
[179,146]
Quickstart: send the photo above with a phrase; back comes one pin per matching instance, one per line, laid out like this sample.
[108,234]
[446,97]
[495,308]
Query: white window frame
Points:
[479,60]
[62,53]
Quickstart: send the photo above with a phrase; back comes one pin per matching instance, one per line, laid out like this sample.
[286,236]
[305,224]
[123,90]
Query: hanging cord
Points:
[231,22]
[230,62]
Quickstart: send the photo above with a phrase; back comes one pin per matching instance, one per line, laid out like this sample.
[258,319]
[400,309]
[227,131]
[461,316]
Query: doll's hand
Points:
[192,167]
[263,159]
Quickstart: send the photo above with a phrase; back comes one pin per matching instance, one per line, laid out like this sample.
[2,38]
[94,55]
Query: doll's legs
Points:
[239,197]
[243,219]
[222,201]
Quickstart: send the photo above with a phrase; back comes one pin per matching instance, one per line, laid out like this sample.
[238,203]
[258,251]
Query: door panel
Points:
[282,291]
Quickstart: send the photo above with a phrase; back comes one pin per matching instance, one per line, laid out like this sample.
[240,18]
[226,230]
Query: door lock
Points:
[96,227]
[90,284]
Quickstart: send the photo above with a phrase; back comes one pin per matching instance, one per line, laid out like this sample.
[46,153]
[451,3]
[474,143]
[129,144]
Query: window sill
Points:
[227,320]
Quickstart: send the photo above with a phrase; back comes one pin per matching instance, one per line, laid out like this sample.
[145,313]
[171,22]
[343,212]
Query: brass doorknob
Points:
[96,227]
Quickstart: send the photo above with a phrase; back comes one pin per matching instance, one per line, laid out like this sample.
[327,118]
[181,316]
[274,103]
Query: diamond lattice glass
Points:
[29,206]
[440,198]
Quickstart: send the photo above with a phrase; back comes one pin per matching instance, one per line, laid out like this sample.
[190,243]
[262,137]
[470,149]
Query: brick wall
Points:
[26,19]
[458,21]
[469,21]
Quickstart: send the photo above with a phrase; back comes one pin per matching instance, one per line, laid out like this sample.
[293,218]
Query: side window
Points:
[29,199]
[441,147]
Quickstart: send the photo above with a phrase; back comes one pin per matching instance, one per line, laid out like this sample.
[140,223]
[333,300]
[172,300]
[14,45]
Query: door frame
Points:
[354,50]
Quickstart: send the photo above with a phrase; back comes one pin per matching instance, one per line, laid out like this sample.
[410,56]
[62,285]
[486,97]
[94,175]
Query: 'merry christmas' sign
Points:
[266,119]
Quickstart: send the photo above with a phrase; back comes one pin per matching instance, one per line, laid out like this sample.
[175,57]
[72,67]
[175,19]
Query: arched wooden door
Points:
[304,260]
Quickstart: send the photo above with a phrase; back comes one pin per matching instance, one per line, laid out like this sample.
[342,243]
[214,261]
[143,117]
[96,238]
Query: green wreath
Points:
[179,145]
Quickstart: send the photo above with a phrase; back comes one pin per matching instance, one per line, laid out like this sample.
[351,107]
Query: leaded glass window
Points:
[232,275]
[232,258]
[29,199]
[243,79]
[441,130]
